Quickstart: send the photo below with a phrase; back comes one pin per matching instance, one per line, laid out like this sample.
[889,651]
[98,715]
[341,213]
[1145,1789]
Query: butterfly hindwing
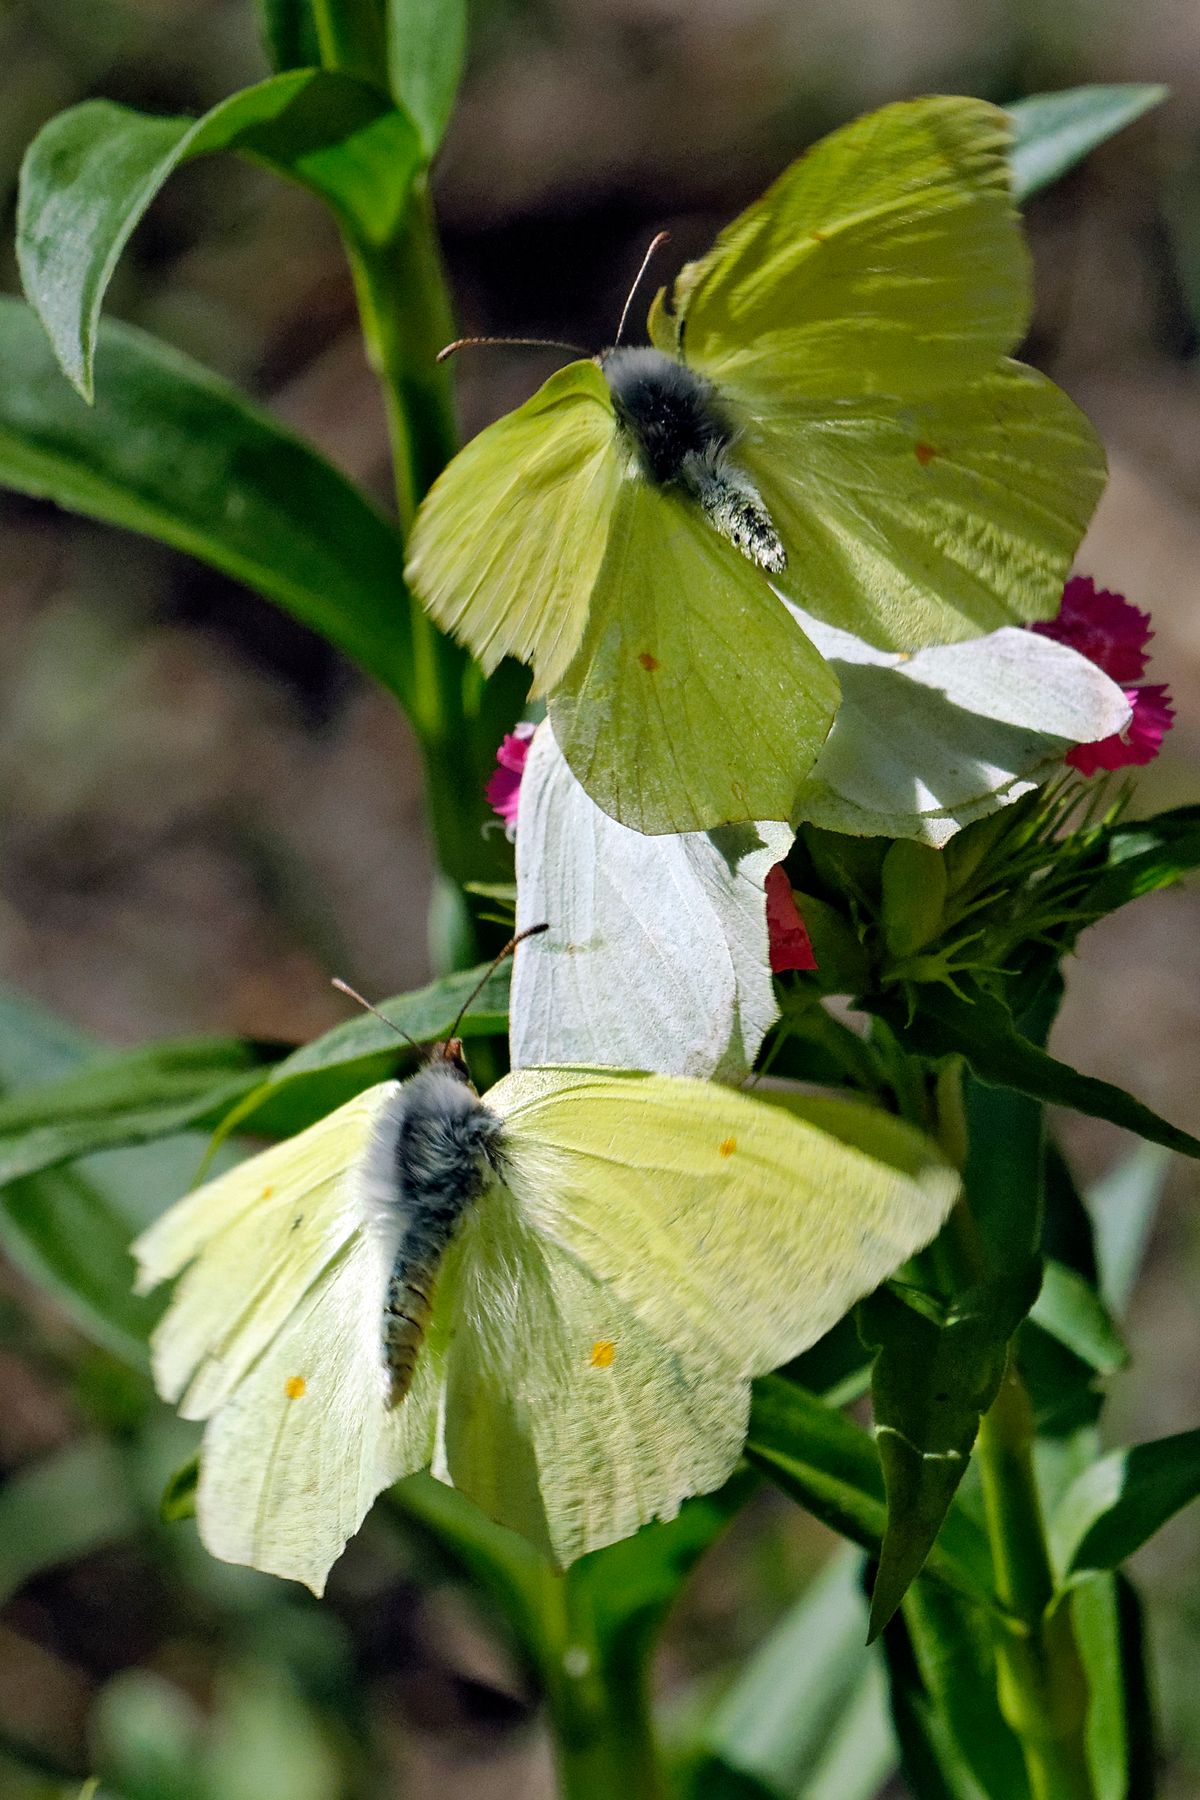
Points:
[686,657]
[887,259]
[565,1417]
[507,544]
[294,1457]
[931,519]
[728,1225]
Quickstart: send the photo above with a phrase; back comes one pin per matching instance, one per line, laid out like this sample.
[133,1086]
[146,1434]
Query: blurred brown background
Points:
[203,812]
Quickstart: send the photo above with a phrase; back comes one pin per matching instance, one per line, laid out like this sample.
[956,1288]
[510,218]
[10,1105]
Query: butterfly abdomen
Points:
[682,435]
[433,1156]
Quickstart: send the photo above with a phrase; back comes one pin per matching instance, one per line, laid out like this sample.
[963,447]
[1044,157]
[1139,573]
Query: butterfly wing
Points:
[273,1336]
[507,544]
[657,953]
[566,1418]
[887,259]
[658,1241]
[920,521]
[294,1457]
[738,1227]
[693,700]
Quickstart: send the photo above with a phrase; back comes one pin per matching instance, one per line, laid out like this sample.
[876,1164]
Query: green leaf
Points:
[831,1466]
[1056,131]
[63,1233]
[1143,856]
[942,1668]
[289,33]
[1071,1310]
[982,1031]
[1107,1618]
[807,1714]
[1123,1205]
[320,1075]
[931,1383]
[171,451]
[90,174]
[60,1509]
[1117,1505]
[69,1229]
[147,1093]
[427,46]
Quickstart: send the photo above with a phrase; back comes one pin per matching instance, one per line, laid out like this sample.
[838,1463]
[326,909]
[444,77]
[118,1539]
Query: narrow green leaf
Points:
[942,1667]
[64,1234]
[427,46]
[60,1509]
[148,1093]
[809,1700]
[171,451]
[69,1229]
[334,1067]
[289,33]
[1071,1310]
[982,1031]
[1123,1205]
[1117,1505]
[90,174]
[1056,131]
[1143,856]
[831,1466]
[1107,1618]
[930,1385]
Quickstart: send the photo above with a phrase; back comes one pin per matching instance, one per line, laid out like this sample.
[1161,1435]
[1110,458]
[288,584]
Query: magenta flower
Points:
[790,944]
[1111,633]
[503,791]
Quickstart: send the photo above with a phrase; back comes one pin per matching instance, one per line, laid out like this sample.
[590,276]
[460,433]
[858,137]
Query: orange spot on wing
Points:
[648,662]
[603,1353]
[267,1192]
[727,1146]
[925,454]
[294,1387]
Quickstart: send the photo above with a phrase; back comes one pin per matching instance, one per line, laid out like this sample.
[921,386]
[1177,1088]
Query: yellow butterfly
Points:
[826,409]
[556,1295]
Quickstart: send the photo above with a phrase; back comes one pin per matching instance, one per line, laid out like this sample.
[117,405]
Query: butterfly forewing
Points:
[888,259]
[693,700]
[507,544]
[918,522]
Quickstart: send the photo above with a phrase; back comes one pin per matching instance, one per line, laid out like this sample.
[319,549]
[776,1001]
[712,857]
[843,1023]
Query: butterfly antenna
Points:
[344,987]
[656,244]
[529,931]
[470,343]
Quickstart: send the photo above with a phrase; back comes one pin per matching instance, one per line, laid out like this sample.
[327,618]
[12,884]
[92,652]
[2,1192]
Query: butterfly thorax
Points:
[434,1153]
[682,435]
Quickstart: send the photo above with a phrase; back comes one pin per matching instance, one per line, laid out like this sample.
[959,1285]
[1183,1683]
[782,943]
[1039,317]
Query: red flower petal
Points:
[791,946]
[503,790]
[1141,740]
[1102,626]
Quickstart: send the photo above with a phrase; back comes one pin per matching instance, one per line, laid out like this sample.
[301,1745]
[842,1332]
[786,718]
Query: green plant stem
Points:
[1043,1687]
[599,1707]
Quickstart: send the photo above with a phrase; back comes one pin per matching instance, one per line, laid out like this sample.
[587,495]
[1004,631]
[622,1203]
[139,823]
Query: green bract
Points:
[850,332]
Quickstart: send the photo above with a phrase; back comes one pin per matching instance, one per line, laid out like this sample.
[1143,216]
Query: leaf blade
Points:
[1056,131]
[174,453]
[91,172]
